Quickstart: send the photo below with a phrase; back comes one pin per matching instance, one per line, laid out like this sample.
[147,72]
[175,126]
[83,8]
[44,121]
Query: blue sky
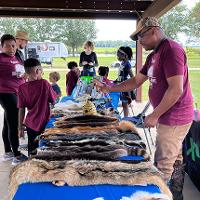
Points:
[122,29]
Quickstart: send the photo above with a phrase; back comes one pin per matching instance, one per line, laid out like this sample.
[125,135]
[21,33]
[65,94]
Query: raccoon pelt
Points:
[92,141]
[110,152]
[128,138]
[97,152]
[85,172]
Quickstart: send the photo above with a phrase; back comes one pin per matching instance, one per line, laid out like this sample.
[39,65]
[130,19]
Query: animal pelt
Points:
[84,172]
[90,118]
[92,141]
[123,127]
[86,120]
[95,136]
[127,126]
[107,152]
[54,132]
[79,129]
[67,113]
[128,138]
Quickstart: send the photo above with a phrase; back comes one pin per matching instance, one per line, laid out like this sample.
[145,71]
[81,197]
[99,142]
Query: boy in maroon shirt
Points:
[35,95]
[72,77]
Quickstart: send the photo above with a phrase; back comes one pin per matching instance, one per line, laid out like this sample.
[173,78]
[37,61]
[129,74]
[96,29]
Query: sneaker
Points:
[19,159]
[8,156]
[23,147]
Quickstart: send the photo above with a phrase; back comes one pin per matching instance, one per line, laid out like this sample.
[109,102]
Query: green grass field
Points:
[193,62]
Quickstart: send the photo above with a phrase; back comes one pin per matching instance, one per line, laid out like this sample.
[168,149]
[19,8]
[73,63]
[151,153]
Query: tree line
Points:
[182,20]
[71,32]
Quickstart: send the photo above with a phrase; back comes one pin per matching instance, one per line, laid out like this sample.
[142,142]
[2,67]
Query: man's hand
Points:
[101,86]
[151,120]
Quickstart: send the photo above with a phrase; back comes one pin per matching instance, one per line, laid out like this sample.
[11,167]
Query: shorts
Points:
[125,97]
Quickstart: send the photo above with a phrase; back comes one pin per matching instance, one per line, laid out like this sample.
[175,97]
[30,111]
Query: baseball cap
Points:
[144,23]
[22,35]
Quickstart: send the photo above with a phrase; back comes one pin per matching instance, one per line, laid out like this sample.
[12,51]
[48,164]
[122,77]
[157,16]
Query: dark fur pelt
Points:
[103,135]
[86,120]
[85,172]
[109,152]
[90,118]
[128,139]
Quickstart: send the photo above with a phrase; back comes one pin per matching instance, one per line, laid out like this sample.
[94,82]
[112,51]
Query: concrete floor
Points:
[190,191]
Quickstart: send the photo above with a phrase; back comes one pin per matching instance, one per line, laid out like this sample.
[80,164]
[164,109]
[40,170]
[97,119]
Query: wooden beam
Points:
[159,8]
[67,14]
[109,5]
[138,67]
[79,4]
[33,3]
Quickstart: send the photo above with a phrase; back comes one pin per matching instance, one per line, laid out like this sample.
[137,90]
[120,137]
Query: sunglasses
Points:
[141,35]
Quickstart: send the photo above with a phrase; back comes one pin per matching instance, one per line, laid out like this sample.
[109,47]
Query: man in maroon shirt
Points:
[170,95]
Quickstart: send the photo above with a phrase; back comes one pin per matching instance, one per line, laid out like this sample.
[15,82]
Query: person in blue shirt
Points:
[125,72]
[54,77]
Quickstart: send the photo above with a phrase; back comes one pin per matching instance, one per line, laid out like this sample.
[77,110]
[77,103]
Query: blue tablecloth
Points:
[115,99]
[50,123]
[48,191]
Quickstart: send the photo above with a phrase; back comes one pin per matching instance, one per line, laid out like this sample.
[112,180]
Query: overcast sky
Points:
[122,29]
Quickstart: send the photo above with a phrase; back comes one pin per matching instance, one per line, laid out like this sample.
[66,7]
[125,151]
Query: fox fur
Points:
[123,126]
[85,172]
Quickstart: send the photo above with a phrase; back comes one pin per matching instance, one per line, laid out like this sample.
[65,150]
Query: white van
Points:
[46,51]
